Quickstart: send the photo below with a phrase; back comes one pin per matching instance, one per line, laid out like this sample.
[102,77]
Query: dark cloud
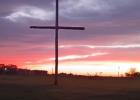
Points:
[100,9]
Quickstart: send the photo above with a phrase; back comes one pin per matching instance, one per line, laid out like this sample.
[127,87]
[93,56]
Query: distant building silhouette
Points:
[14,70]
[8,69]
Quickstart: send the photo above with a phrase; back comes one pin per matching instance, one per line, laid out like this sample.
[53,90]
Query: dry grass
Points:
[41,88]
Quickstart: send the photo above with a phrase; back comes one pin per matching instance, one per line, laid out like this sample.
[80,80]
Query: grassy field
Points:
[41,88]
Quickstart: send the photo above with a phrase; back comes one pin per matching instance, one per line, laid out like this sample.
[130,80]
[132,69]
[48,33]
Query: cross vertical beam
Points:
[57,27]
[56,43]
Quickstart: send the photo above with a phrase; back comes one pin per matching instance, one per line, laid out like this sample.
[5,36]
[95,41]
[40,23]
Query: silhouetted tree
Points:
[132,73]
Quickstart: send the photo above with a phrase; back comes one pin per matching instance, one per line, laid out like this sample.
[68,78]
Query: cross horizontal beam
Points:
[59,27]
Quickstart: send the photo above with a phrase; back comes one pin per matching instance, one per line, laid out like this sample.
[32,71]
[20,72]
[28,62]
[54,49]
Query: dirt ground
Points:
[42,88]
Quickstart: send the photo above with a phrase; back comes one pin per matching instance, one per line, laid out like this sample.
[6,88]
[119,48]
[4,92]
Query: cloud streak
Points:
[31,12]
[74,57]
[127,46]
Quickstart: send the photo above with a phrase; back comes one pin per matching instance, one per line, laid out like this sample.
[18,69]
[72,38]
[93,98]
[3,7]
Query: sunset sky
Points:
[110,43]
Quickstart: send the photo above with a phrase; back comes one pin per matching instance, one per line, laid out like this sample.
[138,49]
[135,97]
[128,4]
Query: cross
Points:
[56,28]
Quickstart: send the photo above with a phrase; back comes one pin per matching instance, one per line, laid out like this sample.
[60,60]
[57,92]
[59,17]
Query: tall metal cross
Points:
[57,27]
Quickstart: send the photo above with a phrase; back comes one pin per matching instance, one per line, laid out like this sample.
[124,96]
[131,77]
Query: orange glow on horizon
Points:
[89,68]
